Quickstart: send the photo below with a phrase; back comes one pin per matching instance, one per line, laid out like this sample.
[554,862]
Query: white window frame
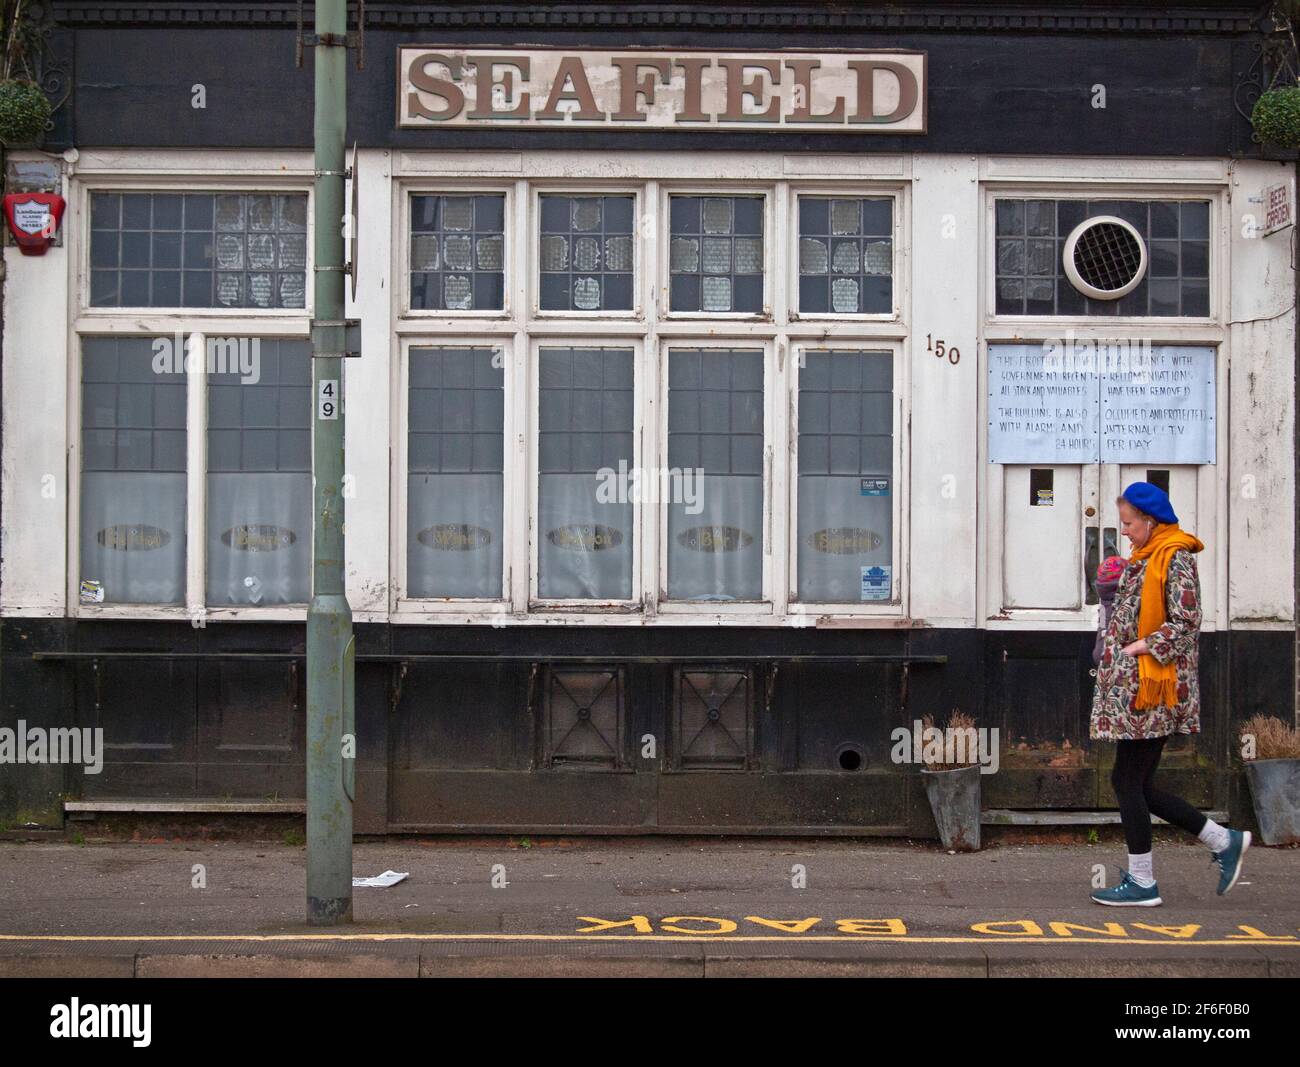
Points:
[533,267]
[398,490]
[892,192]
[637,525]
[1211,331]
[771,237]
[649,330]
[1053,325]
[899,482]
[510,257]
[771,480]
[86,321]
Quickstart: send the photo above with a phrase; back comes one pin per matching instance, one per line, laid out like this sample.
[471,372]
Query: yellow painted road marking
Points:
[713,940]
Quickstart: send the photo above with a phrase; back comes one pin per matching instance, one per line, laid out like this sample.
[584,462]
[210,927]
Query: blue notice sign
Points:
[875,487]
[876,583]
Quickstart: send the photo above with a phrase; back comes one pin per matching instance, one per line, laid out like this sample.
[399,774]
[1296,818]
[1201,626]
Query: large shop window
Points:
[458,252]
[455,461]
[715,431]
[132,475]
[586,253]
[568,493]
[585,436]
[209,250]
[259,508]
[716,254]
[846,455]
[846,256]
[1031,237]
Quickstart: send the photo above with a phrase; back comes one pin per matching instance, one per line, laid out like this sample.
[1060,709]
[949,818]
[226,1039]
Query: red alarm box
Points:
[33,220]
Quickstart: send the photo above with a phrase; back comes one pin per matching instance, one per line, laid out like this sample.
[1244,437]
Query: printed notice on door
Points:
[1162,412]
[1107,402]
[1041,410]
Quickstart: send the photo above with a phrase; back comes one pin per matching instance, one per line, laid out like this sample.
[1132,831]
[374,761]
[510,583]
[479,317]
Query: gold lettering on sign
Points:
[585,537]
[845,541]
[258,537]
[714,539]
[455,536]
[133,538]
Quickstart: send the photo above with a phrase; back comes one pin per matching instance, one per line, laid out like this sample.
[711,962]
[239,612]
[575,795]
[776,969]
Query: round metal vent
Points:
[1105,257]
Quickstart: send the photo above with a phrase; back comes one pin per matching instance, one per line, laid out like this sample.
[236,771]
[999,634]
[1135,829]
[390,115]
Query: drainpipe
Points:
[330,648]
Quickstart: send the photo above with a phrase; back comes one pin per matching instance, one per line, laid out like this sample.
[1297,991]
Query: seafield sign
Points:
[853,92]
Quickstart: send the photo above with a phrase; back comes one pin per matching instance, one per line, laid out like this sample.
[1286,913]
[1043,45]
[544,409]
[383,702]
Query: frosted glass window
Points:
[212,250]
[715,253]
[458,252]
[846,255]
[846,450]
[586,245]
[715,432]
[584,500]
[259,505]
[455,464]
[132,537]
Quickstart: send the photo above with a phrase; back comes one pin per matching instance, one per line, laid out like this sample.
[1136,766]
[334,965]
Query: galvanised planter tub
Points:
[1275,789]
[955,800]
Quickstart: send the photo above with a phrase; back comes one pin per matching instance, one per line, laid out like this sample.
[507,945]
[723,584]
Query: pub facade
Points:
[732,387]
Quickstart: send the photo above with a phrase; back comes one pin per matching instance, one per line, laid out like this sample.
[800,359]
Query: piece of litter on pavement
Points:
[380,881]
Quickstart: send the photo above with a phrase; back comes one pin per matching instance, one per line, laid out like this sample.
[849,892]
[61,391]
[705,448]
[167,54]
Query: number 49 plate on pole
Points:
[327,398]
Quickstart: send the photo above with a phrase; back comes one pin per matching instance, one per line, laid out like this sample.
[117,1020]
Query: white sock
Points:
[1214,836]
[1140,868]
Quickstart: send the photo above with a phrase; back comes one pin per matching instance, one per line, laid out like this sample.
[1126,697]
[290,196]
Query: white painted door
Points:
[1043,517]
[1059,523]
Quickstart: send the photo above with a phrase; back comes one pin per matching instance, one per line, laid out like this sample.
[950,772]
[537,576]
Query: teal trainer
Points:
[1128,894]
[1229,860]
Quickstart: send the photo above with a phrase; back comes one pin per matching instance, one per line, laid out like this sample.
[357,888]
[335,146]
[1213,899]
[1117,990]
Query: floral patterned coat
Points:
[1113,715]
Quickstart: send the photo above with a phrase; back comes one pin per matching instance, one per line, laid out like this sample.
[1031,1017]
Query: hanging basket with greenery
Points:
[24,111]
[1276,117]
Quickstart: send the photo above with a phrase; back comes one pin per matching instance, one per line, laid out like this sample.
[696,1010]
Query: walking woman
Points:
[1147,689]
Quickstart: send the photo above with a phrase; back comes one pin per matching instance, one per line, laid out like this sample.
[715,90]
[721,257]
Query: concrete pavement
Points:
[642,906]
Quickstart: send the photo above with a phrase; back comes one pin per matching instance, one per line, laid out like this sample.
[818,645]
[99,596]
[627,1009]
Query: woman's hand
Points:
[1137,648]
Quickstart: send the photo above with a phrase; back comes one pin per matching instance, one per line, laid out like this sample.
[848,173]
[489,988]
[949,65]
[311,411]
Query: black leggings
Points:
[1134,780]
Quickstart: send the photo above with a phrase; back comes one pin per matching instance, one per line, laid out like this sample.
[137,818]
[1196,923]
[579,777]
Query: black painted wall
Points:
[455,745]
[1008,78]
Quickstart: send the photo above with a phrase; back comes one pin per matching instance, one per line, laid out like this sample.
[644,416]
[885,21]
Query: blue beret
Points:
[1152,499]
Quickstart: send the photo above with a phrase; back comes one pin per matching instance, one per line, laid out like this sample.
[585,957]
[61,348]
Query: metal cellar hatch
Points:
[583,720]
[713,720]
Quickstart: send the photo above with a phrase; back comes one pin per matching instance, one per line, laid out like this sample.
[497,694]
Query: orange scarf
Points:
[1158,682]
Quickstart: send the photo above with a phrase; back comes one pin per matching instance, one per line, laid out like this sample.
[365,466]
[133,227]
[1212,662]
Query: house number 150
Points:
[941,349]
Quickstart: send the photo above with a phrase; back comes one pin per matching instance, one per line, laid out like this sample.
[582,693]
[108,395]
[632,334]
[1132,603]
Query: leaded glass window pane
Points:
[715,256]
[846,449]
[259,507]
[458,252]
[455,465]
[586,244]
[158,249]
[715,443]
[585,508]
[1029,245]
[132,541]
[846,252]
